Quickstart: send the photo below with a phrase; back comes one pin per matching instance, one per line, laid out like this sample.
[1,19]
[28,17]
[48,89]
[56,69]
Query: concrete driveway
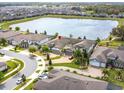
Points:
[30,67]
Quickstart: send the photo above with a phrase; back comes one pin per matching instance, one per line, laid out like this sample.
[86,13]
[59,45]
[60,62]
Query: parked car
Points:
[19,81]
[38,59]
[43,76]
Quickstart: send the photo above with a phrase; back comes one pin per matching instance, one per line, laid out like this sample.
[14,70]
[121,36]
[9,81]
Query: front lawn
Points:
[12,64]
[17,50]
[72,65]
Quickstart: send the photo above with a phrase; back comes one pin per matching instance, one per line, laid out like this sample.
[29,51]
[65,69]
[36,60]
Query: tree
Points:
[119,31]
[45,48]
[98,40]
[28,31]
[17,28]
[110,38]
[84,37]
[79,38]
[45,33]
[3,41]
[70,35]
[50,62]
[105,72]
[17,46]
[23,78]
[81,57]
[32,49]
[56,34]
[1,75]
[36,32]
[10,28]
[48,56]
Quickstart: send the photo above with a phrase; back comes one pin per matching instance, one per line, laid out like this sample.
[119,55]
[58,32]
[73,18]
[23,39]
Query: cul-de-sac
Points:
[61,46]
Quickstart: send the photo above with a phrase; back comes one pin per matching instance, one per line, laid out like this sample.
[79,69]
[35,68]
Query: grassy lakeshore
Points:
[5,25]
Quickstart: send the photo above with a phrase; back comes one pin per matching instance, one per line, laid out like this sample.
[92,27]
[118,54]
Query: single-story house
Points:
[29,39]
[62,43]
[8,34]
[3,66]
[63,80]
[86,44]
[102,56]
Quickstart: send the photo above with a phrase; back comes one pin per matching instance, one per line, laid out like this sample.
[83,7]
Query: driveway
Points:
[30,67]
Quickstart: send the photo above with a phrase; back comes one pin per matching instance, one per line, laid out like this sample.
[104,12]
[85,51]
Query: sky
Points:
[61,1]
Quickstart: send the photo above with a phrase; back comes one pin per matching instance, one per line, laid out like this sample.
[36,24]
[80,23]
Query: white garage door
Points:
[95,63]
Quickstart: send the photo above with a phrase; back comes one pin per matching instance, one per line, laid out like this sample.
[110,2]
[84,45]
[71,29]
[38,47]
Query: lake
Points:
[77,27]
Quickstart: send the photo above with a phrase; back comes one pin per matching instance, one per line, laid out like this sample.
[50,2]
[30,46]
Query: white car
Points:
[20,80]
[43,76]
[38,59]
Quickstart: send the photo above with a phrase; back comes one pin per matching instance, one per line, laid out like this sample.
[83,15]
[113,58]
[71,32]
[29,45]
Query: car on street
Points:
[19,81]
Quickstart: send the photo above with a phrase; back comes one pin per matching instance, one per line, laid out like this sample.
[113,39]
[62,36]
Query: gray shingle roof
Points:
[63,80]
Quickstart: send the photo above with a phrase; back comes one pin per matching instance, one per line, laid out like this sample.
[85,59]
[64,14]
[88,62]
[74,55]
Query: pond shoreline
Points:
[5,25]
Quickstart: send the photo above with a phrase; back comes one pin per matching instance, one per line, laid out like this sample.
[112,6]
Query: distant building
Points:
[62,80]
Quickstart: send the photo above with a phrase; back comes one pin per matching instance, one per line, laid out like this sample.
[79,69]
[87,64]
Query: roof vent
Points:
[66,78]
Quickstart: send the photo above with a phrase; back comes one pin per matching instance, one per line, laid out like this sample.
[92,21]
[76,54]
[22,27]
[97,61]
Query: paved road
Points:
[30,67]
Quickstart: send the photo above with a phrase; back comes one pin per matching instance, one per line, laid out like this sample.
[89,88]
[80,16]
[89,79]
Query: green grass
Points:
[5,25]
[112,44]
[72,65]
[37,71]
[17,50]
[111,78]
[31,85]
[22,84]
[17,61]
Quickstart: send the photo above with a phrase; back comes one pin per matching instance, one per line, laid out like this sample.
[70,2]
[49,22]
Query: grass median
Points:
[14,63]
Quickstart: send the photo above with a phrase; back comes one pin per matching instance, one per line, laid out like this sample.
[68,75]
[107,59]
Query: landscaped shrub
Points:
[68,70]
[74,71]
[45,71]
[50,68]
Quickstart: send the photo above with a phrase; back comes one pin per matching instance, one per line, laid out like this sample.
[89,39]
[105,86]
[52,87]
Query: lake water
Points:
[77,27]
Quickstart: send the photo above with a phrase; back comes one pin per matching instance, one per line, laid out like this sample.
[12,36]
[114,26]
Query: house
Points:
[8,34]
[63,80]
[3,66]
[104,56]
[29,39]
[60,43]
[86,44]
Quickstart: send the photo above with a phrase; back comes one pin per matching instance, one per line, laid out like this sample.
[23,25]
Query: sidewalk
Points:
[35,75]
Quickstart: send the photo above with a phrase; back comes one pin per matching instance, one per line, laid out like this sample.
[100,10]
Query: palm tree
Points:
[36,32]
[50,62]
[105,72]
[45,33]
[70,35]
